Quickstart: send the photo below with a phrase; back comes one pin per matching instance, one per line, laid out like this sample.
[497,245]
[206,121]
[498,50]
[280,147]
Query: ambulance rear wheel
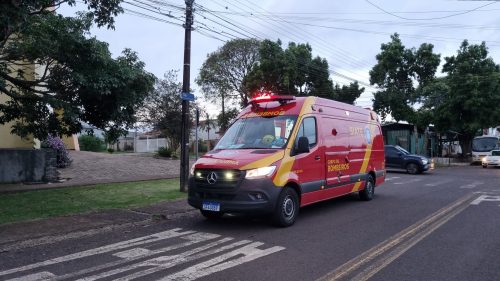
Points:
[287,208]
[211,215]
[367,193]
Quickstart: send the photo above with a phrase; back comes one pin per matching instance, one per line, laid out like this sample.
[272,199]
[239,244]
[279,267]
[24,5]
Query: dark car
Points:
[397,158]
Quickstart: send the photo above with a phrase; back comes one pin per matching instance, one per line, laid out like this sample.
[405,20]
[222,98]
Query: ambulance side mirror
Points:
[302,145]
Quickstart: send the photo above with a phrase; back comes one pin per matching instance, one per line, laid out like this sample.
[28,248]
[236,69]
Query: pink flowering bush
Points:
[56,143]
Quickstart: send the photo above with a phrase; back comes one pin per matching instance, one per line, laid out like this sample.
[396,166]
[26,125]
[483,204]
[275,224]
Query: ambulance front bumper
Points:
[246,196]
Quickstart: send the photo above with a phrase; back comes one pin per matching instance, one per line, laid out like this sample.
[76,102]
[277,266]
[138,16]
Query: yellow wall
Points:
[71,142]
[7,140]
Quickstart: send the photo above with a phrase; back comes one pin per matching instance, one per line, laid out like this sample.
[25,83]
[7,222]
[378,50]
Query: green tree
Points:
[225,120]
[162,109]
[399,72]
[291,71]
[208,125]
[347,94]
[55,75]
[467,99]
[221,75]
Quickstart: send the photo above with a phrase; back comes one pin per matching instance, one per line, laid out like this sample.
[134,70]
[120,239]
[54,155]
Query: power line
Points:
[437,38]
[153,9]
[143,15]
[226,21]
[356,13]
[344,55]
[435,18]
[288,32]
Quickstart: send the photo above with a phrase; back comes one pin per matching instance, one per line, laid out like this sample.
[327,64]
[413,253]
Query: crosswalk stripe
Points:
[192,239]
[249,252]
[108,248]
[135,258]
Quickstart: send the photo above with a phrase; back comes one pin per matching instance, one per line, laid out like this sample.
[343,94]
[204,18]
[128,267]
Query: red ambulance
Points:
[285,152]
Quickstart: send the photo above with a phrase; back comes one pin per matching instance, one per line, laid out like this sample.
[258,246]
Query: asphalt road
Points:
[442,225]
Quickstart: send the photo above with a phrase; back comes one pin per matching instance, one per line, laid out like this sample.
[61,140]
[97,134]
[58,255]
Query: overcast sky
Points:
[347,33]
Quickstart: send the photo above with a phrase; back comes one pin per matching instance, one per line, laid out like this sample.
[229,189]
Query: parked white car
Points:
[492,160]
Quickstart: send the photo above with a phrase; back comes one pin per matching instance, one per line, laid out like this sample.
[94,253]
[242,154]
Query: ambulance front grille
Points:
[217,179]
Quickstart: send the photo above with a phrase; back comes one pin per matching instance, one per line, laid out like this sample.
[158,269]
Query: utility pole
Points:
[186,97]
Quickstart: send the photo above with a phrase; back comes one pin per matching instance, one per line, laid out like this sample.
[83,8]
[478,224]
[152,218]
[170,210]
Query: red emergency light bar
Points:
[267,97]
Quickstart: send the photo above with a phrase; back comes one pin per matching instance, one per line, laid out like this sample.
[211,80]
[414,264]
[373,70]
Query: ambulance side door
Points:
[337,155]
[309,166]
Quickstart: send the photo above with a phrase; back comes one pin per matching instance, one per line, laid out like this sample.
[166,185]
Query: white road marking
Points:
[166,262]
[161,262]
[133,253]
[108,248]
[438,183]
[40,276]
[249,252]
[137,258]
[408,181]
[192,239]
[483,198]
[472,185]
[391,178]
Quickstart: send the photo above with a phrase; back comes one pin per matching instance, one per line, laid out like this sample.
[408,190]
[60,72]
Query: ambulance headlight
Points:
[260,172]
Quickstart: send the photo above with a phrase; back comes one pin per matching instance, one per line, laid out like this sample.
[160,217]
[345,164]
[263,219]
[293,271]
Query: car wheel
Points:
[485,166]
[412,168]
[211,215]
[367,193]
[287,208]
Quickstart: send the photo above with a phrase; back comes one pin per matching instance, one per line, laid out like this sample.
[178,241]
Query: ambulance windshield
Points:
[258,132]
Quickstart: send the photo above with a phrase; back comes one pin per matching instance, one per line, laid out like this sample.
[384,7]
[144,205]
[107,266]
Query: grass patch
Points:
[72,200]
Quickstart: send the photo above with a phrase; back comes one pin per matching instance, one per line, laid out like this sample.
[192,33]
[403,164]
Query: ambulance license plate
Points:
[211,206]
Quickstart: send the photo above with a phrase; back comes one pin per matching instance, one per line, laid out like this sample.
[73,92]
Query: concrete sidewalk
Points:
[93,168]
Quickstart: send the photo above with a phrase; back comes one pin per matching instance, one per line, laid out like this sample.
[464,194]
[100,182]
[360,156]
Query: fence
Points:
[150,145]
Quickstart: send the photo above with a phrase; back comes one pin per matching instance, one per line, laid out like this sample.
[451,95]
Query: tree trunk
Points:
[466,143]
[223,127]
[208,138]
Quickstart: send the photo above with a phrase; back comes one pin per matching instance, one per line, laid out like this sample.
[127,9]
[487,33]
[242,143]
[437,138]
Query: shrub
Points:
[164,152]
[90,143]
[63,159]
[110,150]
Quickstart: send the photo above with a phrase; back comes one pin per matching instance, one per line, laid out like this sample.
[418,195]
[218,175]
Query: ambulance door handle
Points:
[317,157]
[347,159]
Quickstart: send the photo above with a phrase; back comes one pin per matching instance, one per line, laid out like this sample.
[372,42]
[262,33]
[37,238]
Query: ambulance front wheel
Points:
[287,208]
[367,193]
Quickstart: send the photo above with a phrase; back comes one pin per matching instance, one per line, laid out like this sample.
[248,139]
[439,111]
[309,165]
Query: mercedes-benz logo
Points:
[212,178]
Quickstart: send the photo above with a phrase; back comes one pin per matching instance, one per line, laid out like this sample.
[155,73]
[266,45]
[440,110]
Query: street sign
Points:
[187,96]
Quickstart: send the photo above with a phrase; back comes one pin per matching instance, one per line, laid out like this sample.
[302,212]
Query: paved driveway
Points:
[92,167]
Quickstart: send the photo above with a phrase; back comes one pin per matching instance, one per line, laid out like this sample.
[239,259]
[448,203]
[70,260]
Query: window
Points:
[391,152]
[258,132]
[307,129]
